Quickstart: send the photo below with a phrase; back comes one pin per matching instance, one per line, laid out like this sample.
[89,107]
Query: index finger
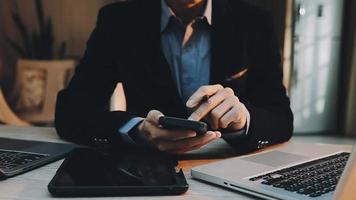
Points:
[201,93]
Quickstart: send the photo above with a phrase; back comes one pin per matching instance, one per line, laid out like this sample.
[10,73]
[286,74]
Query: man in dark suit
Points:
[169,55]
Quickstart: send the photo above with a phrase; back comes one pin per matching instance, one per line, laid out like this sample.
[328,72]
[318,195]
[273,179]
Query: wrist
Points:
[138,134]
[139,127]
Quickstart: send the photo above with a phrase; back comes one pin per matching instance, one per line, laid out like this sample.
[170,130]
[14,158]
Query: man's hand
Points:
[223,108]
[173,141]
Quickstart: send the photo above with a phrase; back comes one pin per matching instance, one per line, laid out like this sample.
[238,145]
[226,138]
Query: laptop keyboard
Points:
[312,179]
[13,159]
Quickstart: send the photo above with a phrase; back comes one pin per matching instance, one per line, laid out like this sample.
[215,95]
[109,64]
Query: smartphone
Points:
[183,124]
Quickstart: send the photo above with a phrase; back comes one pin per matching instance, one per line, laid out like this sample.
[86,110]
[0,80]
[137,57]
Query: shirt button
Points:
[187,47]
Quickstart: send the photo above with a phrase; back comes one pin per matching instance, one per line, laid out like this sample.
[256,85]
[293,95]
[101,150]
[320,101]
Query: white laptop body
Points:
[234,173]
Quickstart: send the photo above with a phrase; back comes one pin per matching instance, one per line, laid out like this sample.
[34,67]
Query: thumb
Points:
[153,116]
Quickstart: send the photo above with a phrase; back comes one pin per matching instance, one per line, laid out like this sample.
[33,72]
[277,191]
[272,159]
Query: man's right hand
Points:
[173,141]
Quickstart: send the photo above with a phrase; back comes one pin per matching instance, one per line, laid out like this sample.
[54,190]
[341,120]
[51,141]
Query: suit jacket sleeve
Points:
[82,111]
[271,119]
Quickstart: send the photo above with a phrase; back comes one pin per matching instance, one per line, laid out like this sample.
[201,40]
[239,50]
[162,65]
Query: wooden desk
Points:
[33,184]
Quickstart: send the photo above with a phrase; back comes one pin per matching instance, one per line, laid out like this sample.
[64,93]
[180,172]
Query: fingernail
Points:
[218,135]
[192,134]
[191,117]
[189,103]
[210,133]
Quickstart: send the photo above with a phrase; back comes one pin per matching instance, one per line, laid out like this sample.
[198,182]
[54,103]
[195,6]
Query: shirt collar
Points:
[167,13]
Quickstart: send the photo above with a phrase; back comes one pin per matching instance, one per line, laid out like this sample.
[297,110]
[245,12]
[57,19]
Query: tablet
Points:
[87,172]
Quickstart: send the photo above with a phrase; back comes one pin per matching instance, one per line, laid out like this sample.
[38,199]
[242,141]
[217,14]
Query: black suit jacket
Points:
[126,47]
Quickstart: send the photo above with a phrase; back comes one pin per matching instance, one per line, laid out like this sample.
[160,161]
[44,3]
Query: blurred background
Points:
[42,40]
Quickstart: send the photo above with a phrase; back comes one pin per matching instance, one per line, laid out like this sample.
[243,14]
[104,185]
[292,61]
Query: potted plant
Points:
[42,70]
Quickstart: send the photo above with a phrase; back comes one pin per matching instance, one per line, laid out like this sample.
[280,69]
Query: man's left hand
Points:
[223,108]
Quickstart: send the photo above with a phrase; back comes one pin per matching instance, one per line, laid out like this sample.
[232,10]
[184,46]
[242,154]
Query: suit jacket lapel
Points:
[228,51]
[157,67]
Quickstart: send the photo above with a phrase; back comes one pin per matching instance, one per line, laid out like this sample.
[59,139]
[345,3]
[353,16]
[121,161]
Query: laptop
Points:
[19,156]
[288,172]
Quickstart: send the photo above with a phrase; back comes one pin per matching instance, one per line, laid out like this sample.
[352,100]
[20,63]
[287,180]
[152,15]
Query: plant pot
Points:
[37,85]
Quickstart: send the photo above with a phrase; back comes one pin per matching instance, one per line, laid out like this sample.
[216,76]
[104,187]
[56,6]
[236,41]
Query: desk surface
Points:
[33,184]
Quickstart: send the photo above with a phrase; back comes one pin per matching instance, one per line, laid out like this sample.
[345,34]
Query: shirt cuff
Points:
[127,128]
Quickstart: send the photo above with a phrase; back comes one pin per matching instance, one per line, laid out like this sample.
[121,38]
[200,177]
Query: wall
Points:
[348,77]
[73,22]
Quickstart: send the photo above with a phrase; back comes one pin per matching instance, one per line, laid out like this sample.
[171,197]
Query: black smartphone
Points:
[183,124]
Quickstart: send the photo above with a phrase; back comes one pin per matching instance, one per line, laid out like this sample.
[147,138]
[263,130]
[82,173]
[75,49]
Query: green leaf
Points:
[23,32]
[49,39]
[17,48]
[62,50]
[36,45]
[40,16]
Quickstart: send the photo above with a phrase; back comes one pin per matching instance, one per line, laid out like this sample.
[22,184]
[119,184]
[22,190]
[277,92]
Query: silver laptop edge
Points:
[345,187]
[211,173]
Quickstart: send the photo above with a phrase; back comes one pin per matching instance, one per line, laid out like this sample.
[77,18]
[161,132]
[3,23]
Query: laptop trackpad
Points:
[275,158]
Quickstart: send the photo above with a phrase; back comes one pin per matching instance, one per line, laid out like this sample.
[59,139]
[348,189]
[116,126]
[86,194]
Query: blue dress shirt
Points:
[187,50]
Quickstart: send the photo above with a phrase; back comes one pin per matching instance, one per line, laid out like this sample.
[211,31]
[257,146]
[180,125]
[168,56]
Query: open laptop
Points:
[289,172]
[19,156]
